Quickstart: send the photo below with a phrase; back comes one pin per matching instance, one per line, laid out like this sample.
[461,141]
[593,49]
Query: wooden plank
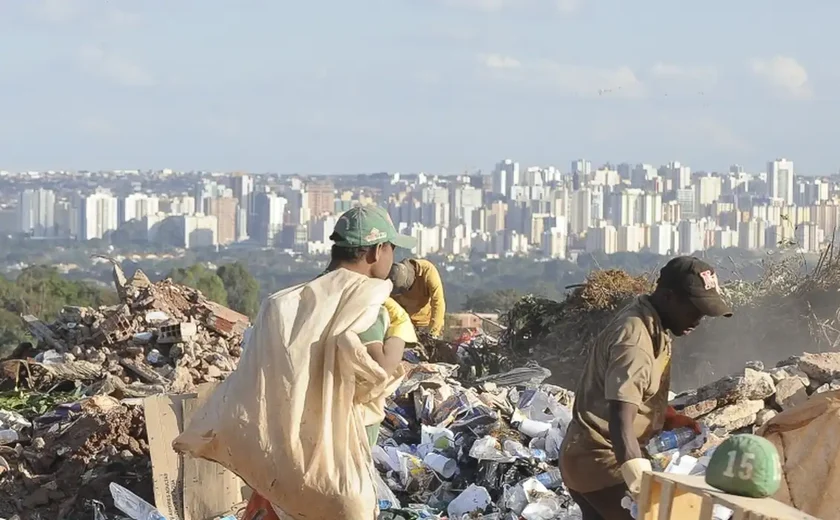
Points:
[707,510]
[757,507]
[164,421]
[686,504]
[210,490]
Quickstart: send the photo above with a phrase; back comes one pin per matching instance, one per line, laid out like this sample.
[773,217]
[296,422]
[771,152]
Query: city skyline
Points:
[327,87]
[527,211]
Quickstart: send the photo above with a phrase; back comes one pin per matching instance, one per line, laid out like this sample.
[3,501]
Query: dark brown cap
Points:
[697,280]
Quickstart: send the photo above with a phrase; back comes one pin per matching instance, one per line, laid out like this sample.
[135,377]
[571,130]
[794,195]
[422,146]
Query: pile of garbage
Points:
[485,450]
[746,401]
[161,337]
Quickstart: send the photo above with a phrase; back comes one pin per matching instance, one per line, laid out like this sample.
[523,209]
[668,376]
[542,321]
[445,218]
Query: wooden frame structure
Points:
[666,496]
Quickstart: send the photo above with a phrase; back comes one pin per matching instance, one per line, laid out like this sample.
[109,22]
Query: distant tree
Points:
[243,290]
[199,277]
[492,301]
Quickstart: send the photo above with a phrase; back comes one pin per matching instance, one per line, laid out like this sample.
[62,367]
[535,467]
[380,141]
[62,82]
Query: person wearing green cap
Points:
[621,400]
[364,240]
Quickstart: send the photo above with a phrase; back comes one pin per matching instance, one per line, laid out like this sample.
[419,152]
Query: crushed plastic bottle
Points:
[135,507]
[670,440]
[551,479]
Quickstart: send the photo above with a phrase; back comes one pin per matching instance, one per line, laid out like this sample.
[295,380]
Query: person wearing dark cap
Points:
[622,397]
[419,289]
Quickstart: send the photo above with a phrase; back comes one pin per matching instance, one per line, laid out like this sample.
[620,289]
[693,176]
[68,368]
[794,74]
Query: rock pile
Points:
[161,337]
[741,402]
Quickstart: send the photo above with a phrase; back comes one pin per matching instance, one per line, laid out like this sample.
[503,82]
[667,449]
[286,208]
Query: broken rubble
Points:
[828,387]
[790,392]
[734,416]
[823,367]
[753,385]
[160,336]
[764,415]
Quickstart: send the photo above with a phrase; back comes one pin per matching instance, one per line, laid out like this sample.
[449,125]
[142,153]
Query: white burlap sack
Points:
[288,420]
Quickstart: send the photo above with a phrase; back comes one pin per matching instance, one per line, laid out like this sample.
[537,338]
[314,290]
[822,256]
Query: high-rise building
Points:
[226,210]
[580,214]
[36,213]
[243,190]
[708,190]
[97,214]
[581,169]
[137,206]
[780,179]
[691,236]
[321,198]
[271,211]
[603,238]
[505,175]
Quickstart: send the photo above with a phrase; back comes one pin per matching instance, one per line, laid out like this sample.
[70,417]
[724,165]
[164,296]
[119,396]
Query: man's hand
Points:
[673,420]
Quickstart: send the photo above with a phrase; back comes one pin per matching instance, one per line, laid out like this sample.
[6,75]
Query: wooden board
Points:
[185,488]
[164,419]
[210,490]
[666,496]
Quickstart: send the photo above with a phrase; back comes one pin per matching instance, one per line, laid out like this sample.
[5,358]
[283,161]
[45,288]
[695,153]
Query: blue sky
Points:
[443,86]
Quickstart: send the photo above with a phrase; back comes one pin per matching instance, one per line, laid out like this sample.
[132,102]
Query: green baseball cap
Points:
[365,226]
[746,465]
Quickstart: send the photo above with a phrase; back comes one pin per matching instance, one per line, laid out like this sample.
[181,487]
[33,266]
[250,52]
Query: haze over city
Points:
[441,86]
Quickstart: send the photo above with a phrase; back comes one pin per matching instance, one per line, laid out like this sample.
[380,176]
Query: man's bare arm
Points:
[625,444]
[388,354]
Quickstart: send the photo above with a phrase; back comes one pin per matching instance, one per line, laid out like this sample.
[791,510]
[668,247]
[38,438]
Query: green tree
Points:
[199,277]
[41,291]
[243,290]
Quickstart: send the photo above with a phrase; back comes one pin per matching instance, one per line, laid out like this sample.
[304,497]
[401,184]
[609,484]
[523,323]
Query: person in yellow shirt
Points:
[419,290]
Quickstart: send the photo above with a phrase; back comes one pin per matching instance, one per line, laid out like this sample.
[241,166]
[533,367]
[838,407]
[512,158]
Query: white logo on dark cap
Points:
[710,280]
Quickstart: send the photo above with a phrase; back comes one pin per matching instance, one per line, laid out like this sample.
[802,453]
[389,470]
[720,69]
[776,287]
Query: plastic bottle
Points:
[8,436]
[135,507]
[671,440]
[551,479]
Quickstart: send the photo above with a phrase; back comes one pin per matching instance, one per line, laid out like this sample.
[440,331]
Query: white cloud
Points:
[785,74]
[114,67]
[499,61]
[705,74]
[566,79]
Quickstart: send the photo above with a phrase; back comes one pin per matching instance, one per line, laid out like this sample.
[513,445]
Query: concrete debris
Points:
[790,392]
[828,387]
[734,416]
[740,403]
[764,415]
[161,337]
[823,367]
